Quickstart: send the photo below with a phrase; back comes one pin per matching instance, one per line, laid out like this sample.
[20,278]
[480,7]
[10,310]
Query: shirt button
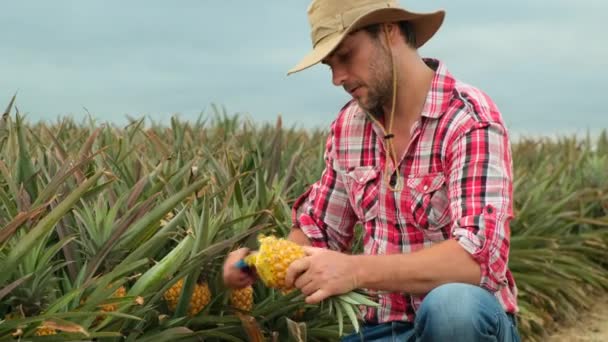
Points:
[425,188]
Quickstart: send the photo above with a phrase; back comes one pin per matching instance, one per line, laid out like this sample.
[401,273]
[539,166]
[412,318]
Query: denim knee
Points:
[457,309]
[452,301]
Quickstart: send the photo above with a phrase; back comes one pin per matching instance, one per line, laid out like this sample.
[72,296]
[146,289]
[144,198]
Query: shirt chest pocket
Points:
[362,185]
[428,201]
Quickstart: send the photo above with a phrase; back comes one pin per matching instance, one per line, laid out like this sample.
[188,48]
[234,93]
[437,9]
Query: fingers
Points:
[309,288]
[242,281]
[239,253]
[295,269]
[317,296]
[233,276]
[303,280]
[243,277]
[310,251]
[238,279]
[234,257]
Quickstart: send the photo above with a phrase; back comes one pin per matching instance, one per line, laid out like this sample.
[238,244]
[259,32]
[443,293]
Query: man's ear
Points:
[393,32]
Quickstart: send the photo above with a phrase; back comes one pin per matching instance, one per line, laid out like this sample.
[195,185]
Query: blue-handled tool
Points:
[241,264]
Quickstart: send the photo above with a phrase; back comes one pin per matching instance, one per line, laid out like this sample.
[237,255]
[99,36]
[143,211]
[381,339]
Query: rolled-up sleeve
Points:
[480,189]
[324,212]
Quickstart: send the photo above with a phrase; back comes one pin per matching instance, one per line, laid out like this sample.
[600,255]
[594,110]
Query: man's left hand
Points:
[322,273]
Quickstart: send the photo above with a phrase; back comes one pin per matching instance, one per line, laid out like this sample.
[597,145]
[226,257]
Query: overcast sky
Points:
[544,62]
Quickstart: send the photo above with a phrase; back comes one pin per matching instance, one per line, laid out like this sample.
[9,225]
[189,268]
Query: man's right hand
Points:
[233,276]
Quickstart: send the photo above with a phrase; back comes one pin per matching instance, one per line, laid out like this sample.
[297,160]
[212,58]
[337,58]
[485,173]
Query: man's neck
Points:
[414,81]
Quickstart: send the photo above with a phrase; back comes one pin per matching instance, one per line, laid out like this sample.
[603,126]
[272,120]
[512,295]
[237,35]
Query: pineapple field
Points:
[119,233]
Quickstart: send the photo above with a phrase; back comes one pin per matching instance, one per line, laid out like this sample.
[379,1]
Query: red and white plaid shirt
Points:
[457,185]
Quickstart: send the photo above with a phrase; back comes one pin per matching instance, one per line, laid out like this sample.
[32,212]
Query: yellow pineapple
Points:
[272,260]
[45,331]
[201,296]
[119,293]
[242,299]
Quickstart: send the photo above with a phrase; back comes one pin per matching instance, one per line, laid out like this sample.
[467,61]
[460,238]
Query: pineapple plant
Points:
[242,299]
[96,224]
[66,228]
[201,296]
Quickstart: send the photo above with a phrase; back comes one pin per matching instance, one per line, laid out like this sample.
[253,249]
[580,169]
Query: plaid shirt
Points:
[457,185]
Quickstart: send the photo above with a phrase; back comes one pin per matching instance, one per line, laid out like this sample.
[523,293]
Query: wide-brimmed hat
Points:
[331,20]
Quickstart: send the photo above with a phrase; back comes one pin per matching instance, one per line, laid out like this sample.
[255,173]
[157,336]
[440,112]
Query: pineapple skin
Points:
[272,260]
[119,293]
[201,296]
[45,331]
[242,299]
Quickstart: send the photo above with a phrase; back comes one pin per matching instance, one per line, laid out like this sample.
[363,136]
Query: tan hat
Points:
[332,20]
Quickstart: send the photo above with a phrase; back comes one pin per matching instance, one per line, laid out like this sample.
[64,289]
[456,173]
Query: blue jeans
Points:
[451,312]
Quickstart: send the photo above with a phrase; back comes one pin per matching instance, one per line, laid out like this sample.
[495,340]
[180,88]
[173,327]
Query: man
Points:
[423,162]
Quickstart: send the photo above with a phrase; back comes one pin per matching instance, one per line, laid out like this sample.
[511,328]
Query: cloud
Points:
[539,61]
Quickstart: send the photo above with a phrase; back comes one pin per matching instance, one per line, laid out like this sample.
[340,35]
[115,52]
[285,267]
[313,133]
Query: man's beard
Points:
[380,84]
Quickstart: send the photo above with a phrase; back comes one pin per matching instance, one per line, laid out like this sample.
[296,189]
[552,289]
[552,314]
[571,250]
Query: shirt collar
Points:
[440,93]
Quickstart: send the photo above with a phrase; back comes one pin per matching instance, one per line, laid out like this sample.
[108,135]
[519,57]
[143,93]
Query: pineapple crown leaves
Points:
[67,169]
[5,291]
[152,247]
[25,173]
[45,226]
[36,273]
[108,253]
[347,305]
[147,225]
[96,224]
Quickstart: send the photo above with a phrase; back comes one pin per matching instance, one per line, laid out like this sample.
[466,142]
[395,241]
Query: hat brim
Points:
[425,25]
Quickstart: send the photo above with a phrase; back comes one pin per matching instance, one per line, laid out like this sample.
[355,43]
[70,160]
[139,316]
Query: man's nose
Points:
[338,76]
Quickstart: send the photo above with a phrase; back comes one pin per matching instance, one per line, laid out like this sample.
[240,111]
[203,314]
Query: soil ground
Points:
[592,326]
